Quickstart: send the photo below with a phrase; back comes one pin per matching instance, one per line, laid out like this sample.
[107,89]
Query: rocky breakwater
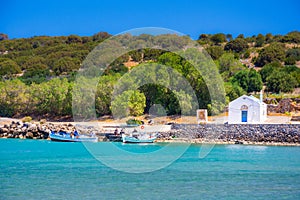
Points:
[235,133]
[28,130]
[41,130]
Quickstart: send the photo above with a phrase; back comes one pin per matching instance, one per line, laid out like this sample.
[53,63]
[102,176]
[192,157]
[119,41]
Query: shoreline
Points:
[196,142]
[224,134]
[245,143]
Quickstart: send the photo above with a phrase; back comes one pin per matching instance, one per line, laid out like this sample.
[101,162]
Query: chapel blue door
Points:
[244,115]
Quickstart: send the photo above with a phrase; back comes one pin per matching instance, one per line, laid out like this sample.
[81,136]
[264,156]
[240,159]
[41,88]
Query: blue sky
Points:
[58,17]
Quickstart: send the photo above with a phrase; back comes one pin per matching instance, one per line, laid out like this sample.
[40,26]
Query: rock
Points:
[16,133]
[284,105]
[4,130]
[29,135]
[295,118]
[24,129]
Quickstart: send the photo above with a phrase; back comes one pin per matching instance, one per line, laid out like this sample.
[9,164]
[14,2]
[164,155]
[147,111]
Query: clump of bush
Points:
[43,121]
[134,122]
[26,119]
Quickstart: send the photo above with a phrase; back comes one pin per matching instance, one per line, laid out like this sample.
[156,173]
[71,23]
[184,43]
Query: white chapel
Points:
[247,110]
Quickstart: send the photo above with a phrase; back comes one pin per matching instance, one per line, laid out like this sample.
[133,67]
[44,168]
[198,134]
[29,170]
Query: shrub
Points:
[26,119]
[273,53]
[237,45]
[134,122]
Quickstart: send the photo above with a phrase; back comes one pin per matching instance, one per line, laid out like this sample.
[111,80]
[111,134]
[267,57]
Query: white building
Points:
[247,110]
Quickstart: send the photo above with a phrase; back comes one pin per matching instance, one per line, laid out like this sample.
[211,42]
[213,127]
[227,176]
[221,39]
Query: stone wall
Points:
[284,105]
[279,133]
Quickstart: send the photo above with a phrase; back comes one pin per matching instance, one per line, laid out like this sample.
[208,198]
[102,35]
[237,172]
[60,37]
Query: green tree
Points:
[34,61]
[268,69]
[294,72]
[228,65]
[280,81]
[36,74]
[233,90]
[249,80]
[218,38]
[204,39]
[52,97]
[269,38]
[290,61]
[215,52]
[103,95]
[130,102]
[8,67]
[100,36]
[241,78]
[247,54]
[272,53]
[13,99]
[203,36]
[229,37]
[238,45]
[293,54]
[66,64]
[260,40]
[292,37]
[136,56]
[174,61]
[73,39]
[241,36]
[255,81]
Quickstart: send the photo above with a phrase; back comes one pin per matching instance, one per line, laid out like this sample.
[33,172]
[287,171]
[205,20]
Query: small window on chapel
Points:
[244,107]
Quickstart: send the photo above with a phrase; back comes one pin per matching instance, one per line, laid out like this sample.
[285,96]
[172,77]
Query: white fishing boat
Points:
[138,137]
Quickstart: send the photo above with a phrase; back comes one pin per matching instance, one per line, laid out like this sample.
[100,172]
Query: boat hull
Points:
[113,137]
[130,139]
[67,138]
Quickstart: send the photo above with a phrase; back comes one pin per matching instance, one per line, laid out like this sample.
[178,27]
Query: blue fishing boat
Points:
[62,136]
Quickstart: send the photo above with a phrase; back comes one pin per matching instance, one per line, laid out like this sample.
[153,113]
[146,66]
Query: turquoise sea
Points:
[41,169]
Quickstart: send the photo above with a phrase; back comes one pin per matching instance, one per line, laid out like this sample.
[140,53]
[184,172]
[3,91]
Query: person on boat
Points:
[76,134]
[60,132]
[116,131]
[122,131]
[93,134]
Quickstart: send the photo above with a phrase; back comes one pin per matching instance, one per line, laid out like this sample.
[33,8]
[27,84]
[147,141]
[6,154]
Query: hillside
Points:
[37,73]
